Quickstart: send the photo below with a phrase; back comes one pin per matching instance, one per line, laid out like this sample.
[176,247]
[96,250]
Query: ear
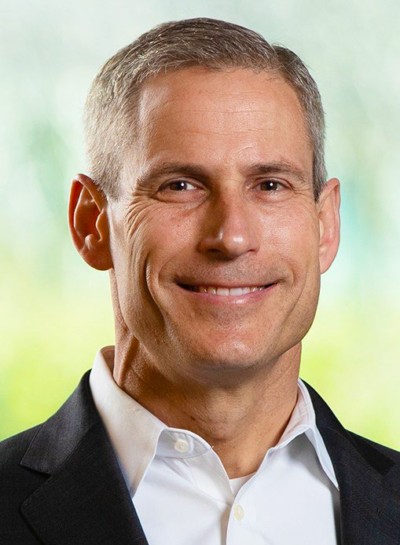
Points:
[328,206]
[88,223]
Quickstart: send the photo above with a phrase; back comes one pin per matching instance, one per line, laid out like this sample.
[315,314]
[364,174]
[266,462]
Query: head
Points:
[114,98]
[205,148]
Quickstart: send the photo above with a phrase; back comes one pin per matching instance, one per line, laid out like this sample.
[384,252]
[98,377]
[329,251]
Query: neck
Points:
[241,423]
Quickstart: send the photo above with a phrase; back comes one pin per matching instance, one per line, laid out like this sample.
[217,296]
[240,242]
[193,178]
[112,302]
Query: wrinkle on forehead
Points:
[169,90]
[243,113]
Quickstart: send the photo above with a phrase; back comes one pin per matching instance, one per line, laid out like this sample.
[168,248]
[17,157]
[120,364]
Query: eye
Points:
[179,185]
[271,185]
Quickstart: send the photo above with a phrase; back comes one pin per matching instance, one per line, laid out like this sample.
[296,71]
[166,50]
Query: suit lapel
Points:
[85,500]
[369,504]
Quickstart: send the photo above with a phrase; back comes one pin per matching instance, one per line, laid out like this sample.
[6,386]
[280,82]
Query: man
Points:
[208,204]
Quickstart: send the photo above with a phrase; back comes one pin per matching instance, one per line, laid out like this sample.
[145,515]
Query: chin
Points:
[232,357]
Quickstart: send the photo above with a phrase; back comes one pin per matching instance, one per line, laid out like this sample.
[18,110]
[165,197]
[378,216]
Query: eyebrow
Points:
[281,167]
[173,168]
[201,173]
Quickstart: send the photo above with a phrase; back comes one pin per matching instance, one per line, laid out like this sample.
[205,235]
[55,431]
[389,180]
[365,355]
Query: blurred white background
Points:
[56,312]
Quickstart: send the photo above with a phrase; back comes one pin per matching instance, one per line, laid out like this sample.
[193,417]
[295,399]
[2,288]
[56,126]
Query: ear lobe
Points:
[88,223]
[329,223]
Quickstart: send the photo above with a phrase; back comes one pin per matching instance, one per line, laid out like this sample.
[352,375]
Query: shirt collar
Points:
[137,435]
[133,430]
[303,420]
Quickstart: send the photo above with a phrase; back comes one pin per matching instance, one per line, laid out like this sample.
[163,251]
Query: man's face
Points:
[217,195]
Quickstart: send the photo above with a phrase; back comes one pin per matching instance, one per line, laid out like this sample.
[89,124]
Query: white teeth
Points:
[237,291]
[224,292]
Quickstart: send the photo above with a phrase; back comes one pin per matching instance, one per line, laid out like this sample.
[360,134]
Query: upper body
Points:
[209,205]
[64,482]
[292,497]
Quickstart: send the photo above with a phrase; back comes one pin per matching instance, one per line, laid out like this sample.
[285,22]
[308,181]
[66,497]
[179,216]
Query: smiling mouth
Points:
[224,291]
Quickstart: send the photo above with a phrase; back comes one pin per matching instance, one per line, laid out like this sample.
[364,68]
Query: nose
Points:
[229,227]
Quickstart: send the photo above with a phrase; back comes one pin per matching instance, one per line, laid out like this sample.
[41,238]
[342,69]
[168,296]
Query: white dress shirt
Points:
[183,495]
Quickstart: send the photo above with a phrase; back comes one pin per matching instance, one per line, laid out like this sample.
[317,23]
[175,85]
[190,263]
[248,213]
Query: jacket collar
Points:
[85,499]
[369,501]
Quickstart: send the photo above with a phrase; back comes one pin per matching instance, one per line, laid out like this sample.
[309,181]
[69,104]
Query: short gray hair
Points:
[208,43]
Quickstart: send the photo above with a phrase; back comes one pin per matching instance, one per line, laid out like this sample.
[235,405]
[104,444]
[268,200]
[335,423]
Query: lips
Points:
[224,291]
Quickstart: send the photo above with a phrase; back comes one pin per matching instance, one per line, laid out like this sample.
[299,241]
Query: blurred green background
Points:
[56,311]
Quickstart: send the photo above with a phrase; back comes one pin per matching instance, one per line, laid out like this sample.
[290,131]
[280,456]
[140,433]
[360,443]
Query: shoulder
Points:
[367,446]
[13,445]
[326,420]
[30,458]
[17,483]
[12,451]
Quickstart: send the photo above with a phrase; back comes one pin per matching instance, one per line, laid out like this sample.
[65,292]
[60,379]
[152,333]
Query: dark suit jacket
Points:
[60,482]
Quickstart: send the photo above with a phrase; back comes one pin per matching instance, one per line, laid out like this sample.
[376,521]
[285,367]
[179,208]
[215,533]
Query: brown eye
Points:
[180,185]
[271,185]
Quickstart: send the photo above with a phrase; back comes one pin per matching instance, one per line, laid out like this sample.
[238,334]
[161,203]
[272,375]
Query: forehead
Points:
[222,117]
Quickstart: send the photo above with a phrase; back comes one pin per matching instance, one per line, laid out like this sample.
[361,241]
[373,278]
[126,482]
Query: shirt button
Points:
[238,511]
[181,445]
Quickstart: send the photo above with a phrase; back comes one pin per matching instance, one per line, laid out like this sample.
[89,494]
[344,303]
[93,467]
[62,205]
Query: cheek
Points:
[151,235]
[297,241]
[148,233]
[138,233]
[171,241]
[291,235]
[135,231]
